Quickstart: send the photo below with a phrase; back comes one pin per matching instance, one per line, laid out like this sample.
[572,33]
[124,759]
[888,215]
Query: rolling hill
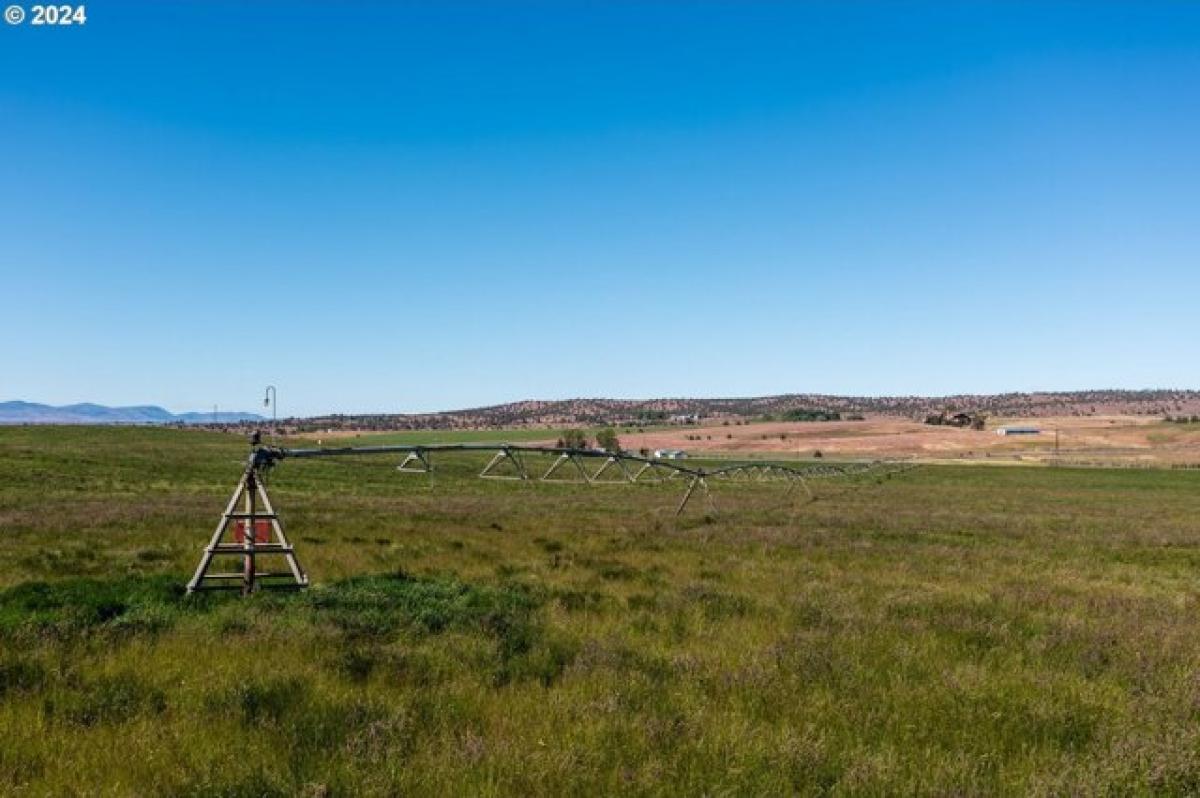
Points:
[18,412]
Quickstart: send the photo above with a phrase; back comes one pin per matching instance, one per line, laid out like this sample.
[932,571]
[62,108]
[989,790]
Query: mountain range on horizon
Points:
[591,411]
[18,412]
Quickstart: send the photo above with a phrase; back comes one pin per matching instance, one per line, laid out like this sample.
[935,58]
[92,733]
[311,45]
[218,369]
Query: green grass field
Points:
[414,437]
[952,630]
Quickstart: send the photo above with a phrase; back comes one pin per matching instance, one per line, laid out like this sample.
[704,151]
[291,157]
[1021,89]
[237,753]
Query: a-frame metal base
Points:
[619,463]
[698,481]
[416,463]
[251,494]
[573,459]
[505,455]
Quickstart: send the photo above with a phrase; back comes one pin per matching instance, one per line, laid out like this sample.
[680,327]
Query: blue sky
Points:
[416,206]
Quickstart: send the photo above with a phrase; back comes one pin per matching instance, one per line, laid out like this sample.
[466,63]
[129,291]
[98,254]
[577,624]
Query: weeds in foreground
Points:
[953,630]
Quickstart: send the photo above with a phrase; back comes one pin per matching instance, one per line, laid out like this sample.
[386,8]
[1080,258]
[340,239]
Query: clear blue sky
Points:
[403,207]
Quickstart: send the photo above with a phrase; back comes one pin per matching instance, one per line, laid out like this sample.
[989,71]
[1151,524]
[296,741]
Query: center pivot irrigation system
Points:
[250,528]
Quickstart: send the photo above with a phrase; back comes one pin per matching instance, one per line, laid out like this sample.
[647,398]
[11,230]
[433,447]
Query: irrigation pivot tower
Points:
[250,529]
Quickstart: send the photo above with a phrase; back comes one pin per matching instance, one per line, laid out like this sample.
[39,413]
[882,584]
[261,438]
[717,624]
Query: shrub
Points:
[607,440]
[573,439]
[810,414]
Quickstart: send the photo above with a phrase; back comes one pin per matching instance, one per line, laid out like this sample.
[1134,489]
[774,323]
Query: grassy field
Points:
[953,630]
[414,437]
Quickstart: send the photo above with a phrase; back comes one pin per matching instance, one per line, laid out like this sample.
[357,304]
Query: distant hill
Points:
[595,412]
[87,413]
[535,413]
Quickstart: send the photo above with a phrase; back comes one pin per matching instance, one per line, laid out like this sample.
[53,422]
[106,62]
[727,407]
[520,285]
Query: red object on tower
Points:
[262,531]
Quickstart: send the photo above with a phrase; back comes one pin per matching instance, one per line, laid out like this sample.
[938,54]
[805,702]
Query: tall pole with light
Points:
[271,397]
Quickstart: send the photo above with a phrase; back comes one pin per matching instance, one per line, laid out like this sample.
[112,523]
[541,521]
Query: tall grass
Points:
[948,631]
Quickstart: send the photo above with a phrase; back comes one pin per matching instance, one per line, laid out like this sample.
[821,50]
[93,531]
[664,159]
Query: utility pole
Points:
[271,397]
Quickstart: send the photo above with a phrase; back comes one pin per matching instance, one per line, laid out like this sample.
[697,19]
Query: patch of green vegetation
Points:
[418,437]
[810,414]
[377,606]
[953,630]
[75,605]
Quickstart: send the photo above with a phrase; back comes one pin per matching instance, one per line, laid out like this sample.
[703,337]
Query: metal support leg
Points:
[600,471]
[417,456]
[609,462]
[562,458]
[519,463]
[281,538]
[804,484]
[251,532]
[708,497]
[207,557]
[504,454]
[567,457]
[691,489]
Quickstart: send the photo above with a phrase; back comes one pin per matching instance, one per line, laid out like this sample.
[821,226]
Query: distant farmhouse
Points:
[685,418]
[1018,431]
[973,421]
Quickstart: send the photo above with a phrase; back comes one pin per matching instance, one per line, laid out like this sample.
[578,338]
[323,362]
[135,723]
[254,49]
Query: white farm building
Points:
[1018,431]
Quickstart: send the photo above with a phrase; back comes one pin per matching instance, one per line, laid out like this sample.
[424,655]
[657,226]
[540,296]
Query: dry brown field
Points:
[1114,438]
[1085,440]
